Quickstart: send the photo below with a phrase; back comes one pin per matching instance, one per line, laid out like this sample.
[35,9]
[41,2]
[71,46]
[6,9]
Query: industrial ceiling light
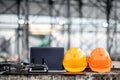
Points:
[61,21]
[105,24]
[21,21]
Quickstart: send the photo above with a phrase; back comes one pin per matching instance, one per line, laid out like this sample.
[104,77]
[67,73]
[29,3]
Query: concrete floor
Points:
[115,64]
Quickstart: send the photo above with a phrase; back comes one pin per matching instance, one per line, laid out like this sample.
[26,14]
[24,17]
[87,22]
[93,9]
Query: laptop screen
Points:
[52,56]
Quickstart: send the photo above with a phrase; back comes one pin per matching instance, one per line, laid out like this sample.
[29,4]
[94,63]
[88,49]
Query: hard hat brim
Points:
[76,69]
[100,69]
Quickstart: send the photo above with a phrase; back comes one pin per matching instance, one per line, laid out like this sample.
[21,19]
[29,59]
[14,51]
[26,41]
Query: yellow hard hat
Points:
[74,60]
[99,60]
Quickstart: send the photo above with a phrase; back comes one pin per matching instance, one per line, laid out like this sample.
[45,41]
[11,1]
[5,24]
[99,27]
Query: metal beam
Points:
[8,8]
[50,4]
[26,28]
[80,6]
[69,24]
[18,31]
[108,12]
[113,38]
[42,8]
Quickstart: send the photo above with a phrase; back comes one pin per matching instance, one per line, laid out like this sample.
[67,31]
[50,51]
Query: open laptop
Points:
[53,57]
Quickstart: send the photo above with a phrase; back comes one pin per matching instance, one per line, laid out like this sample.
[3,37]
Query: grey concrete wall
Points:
[87,76]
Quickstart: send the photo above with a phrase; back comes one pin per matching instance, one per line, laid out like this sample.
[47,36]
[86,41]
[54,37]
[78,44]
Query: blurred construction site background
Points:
[86,24]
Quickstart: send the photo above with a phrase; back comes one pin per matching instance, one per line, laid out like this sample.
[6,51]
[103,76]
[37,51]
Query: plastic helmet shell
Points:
[74,60]
[99,60]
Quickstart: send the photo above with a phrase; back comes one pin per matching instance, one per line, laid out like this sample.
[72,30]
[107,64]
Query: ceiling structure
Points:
[98,8]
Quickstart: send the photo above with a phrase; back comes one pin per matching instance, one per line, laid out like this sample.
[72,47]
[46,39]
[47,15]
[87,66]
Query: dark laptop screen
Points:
[52,57]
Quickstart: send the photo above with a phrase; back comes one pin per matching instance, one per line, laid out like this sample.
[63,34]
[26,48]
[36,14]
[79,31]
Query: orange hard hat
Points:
[99,60]
[74,60]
